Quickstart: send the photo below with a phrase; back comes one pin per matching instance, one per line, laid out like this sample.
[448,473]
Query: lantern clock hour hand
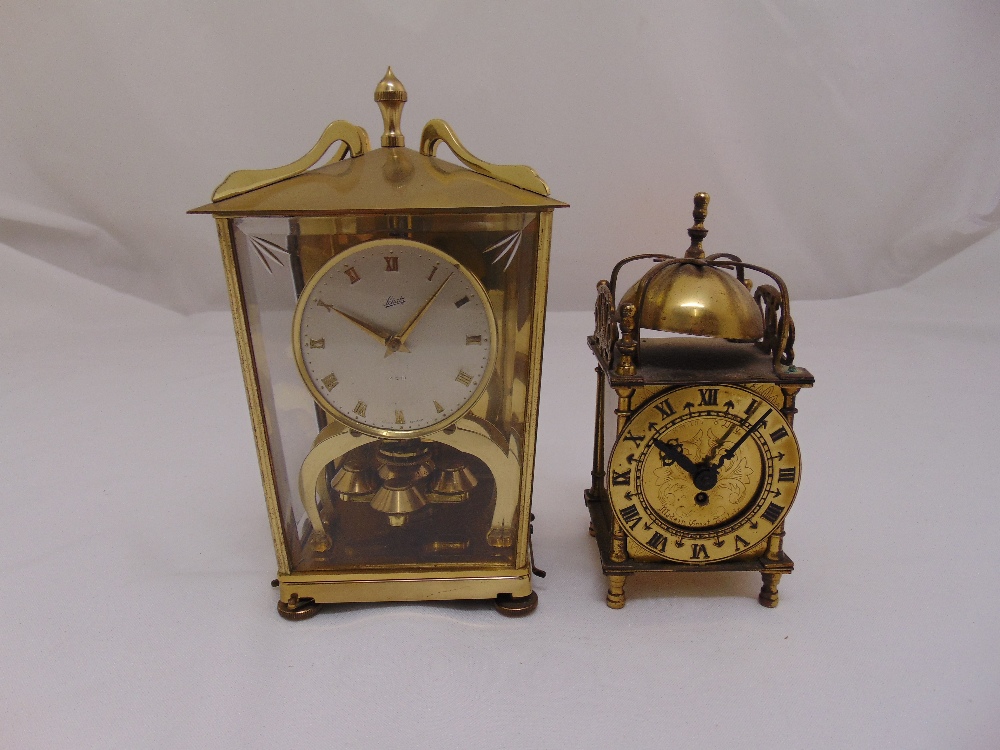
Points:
[675,454]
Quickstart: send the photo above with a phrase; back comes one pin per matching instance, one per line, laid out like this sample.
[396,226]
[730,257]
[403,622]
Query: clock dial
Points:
[703,473]
[395,338]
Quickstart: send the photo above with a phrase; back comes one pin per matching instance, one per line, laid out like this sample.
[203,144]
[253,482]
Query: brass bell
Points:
[454,480]
[693,298]
[354,477]
[397,498]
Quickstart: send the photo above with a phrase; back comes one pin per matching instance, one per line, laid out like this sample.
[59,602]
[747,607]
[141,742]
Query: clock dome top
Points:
[688,295]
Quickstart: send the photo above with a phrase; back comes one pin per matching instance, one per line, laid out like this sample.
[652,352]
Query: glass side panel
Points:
[408,405]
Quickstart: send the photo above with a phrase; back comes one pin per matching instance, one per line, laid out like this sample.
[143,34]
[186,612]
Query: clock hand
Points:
[715,449]
[398,342]
[676,455]
[364,326]
[735,446]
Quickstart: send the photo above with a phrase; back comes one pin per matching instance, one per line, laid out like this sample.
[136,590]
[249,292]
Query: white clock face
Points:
[395,337]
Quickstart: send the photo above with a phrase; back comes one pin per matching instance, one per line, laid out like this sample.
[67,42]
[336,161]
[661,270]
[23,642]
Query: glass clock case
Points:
[389,308]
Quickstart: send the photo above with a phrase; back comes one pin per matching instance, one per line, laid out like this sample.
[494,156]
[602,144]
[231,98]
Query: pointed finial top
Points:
[390,96]
[697,233]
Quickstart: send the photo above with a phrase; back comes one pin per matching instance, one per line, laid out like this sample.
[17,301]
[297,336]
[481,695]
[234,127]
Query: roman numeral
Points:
[317,343]
[360,408]
[751,407]
[658,541]
[786,475]
[772,513]
[330,381]
[400,419]
[391,263]
[709,397]
[472,340]
[636,439]
[665,408]
[740,540]
[778,434]
[462,301]
[463,377]
[621,477]
[699,551]
[438,408]
[631,516]
[352,275]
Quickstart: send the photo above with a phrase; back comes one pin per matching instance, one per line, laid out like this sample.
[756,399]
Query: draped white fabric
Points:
[850,145]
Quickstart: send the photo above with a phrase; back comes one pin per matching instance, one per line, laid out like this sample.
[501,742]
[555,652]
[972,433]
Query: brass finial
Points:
[390,95]
[697,233]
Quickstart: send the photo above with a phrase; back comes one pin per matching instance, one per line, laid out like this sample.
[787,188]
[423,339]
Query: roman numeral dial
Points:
[703,473]
[409,332]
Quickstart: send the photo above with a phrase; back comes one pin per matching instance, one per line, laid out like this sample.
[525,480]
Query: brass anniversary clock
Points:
[697,465]
[389,309]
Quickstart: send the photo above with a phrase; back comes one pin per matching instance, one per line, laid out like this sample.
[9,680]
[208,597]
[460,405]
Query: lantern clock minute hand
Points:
[736,446]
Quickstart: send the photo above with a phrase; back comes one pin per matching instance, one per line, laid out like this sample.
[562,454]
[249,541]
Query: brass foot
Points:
[768,596]
[298,608]
[516,606]
[591,529]
[616,591]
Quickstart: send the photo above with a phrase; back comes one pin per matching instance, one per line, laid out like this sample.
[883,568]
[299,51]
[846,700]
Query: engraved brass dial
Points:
[394,338]
[703,473]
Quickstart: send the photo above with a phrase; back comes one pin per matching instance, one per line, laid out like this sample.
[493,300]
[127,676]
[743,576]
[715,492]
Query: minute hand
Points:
[736,446]
[408,329]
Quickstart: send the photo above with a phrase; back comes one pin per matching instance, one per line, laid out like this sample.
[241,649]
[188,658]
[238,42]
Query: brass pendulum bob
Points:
[454,480]
[404,467]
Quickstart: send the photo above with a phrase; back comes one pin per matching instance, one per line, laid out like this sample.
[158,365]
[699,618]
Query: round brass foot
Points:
[297,608]
[616,591]
[516,606]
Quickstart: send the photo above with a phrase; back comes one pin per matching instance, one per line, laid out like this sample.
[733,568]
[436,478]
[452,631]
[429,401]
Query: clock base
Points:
[617,572]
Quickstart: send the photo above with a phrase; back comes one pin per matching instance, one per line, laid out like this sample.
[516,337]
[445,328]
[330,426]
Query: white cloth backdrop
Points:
[853,147]
[849,145]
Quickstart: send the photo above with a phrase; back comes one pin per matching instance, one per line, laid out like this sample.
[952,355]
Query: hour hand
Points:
[676,455]
[366,327]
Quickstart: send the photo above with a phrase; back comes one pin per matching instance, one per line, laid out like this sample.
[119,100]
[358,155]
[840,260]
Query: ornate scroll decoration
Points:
[605,325]
[779,338]
[519,175]
[353,141]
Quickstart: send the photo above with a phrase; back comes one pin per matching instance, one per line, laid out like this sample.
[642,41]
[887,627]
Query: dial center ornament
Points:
[395,338]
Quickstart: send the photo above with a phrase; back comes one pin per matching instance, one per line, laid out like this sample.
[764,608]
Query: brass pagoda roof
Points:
[393,179]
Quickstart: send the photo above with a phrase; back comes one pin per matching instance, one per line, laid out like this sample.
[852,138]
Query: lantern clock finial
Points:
[697,233]
[390,95]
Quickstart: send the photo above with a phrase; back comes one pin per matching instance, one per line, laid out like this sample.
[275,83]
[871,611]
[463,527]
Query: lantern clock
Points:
[389,309]
[695,462]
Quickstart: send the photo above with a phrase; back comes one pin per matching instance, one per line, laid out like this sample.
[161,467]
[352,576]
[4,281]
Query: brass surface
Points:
[519,175]
[444,583]
[383,181]
[390,95]
[695,299]
[516,606]
[353,140]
